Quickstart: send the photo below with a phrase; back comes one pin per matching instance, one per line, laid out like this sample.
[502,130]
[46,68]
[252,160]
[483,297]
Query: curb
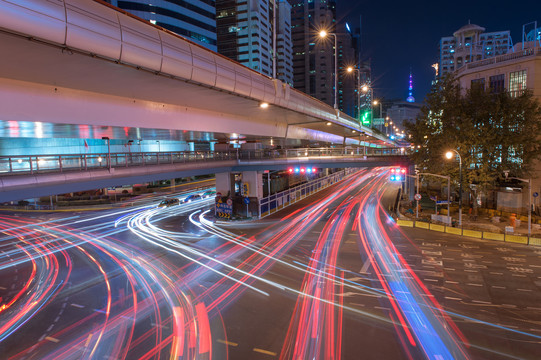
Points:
[485,235]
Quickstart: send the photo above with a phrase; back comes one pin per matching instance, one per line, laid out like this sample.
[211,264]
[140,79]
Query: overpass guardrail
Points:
[31,164]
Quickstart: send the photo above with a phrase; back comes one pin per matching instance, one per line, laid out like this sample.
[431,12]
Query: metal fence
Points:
[278,201]
[82,162]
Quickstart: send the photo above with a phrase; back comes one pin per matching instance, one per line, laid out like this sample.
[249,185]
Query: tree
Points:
[492,132]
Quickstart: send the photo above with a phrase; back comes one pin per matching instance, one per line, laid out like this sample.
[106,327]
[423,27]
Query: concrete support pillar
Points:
[254,179]
[225,183]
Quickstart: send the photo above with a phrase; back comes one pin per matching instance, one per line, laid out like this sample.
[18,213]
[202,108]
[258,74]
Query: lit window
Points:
[517,83]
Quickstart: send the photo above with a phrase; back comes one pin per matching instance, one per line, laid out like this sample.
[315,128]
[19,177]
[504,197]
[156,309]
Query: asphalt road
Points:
[329,277]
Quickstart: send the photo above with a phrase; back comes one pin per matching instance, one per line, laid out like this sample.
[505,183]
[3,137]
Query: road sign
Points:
[229,202]
[417,197]
[224,210]
[245,189]
[246,200]
[535,194]
[218,194]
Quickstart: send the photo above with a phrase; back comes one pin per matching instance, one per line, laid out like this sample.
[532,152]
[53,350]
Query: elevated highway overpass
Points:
[86,63]
[29,177]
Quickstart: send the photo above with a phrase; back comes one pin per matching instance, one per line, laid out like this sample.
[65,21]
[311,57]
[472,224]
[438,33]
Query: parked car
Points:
[169,202]
[191,198]
[209,193]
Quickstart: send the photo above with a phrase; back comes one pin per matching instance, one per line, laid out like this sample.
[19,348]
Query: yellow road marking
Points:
[52,339]
[230,343]
[264,352]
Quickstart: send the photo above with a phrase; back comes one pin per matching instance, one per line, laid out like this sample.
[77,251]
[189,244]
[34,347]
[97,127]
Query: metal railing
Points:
[82,162]
[278,201]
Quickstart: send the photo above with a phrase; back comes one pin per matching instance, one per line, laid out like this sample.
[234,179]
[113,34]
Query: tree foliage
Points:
[492,132]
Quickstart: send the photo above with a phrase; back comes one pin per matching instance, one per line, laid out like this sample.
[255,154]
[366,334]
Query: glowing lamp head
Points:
[290,170]
[322,33]
[297,170]
[264,105]
[350,68]
[449,154]
[314,169]
[303,170]
[364,88]
[308,170]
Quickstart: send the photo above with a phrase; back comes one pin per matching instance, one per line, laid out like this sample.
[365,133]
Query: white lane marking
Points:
[472,284]
[365,267]
[453,298]
[77,306]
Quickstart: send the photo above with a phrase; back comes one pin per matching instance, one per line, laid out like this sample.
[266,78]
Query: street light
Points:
[323,34]
[108,151]
[358,72]
[365,88]
[449,155]
[377,102]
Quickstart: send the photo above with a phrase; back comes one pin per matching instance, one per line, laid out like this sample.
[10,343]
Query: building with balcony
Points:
[195,20]
[513,72]
[471,43]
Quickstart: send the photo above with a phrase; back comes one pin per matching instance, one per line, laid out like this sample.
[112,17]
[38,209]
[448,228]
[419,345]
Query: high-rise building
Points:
[194,19]
[284,45]
[471,43]
[245,34]
[313,57]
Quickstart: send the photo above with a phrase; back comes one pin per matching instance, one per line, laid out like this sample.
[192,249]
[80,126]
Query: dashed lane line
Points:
[261,351]
[228,343]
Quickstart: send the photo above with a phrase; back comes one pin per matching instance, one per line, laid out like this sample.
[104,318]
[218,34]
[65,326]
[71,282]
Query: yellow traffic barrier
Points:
[535,241]
[406,223]
[437,227]
[473,233]
[422,225]
[516,239]
[493,236]
[453,230]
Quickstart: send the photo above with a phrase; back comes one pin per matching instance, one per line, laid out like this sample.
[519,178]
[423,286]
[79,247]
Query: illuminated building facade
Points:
[245,34]
[195,20]
[471,43]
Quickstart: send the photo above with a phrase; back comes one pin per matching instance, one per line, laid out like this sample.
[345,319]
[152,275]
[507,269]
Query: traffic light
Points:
[398,174]
[302,170]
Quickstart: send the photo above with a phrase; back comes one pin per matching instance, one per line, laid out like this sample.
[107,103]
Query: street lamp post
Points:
[108,151]
[365,89]
[449,155]
[324,34]
[377,102]
[358,73]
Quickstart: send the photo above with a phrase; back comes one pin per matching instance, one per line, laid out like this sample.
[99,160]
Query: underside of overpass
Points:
[16,187]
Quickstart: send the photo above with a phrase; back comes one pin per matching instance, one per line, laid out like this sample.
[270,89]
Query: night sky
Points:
[398,35]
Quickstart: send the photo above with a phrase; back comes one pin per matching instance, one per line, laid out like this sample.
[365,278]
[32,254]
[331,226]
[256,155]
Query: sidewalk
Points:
[483,222]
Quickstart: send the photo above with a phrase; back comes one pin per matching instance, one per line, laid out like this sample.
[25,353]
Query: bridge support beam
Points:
[225,183]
